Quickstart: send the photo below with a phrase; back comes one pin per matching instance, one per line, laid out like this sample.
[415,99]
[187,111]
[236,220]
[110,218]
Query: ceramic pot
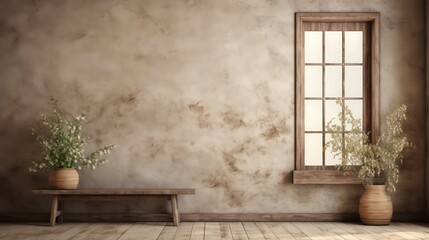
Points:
[64,178]
[375,206]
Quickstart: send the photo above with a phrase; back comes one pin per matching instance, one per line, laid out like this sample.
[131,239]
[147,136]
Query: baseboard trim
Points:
[271,217]
[204,217]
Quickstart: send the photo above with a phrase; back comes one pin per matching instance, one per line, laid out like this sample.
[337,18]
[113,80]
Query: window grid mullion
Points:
[343,90]
[323,99]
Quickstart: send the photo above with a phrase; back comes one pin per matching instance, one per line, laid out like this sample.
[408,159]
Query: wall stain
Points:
[276,130]
[277,57]
[226,75]
[230,161]
[113,104]
[143,14]
[225,178]
[139,11]
[155,149]
[272,123]
[77,89]
[15,43]
[267,99]
[160,26]
[235,198]
[139,56]
[271,133]
[264,22]
[248,147]
[233,120]
[217,180]
[73,37]
[108,14]
[124,103]
[303,195]
[196,108]
[10,34]
[203,118]
[129,99]
[260,176]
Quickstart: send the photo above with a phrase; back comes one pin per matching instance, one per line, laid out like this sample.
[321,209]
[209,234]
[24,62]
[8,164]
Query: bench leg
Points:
[60,213]
[175,210]
[54,209]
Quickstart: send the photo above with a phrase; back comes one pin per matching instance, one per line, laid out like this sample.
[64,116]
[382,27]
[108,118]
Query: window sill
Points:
[323,177]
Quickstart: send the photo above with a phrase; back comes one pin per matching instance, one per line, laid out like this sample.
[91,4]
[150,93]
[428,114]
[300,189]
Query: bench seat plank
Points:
[130,191]
[59,196]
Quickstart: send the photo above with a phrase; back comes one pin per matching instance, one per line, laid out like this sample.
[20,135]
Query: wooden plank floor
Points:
[215,231]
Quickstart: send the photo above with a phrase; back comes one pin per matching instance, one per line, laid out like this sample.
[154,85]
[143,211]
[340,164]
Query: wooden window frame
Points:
[371,94]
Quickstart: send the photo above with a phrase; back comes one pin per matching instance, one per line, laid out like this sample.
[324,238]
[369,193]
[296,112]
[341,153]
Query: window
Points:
[337,57]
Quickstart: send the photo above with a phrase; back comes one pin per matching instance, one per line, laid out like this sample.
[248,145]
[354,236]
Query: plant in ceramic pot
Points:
[62,148]
[375,164]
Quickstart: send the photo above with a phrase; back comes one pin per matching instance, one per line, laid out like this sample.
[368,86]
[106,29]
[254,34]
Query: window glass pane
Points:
[353,81]
[333,46]
[353,46]
[330,158]
[313,115]
[332,109]
[356,107]
[313,46]
[333,81]
[313,149]
[313,81]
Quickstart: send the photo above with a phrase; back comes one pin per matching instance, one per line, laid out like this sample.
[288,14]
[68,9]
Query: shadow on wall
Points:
[18,151]
[396,85]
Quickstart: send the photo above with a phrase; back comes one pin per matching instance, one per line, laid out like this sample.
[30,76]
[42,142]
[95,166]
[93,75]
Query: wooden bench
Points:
[59,196]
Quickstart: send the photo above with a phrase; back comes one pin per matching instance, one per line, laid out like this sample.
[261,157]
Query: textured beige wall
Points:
[196,94]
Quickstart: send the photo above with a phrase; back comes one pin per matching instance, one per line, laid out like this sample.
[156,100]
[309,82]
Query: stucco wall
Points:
[195,93]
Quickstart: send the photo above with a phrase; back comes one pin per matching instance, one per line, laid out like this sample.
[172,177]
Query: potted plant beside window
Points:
[375,164]
[63,147]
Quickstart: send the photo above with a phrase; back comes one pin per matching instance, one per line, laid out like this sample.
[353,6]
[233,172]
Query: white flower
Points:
[65,140]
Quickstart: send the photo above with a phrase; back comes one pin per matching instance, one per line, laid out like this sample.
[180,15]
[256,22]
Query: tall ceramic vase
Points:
[375,206]
[64,178]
